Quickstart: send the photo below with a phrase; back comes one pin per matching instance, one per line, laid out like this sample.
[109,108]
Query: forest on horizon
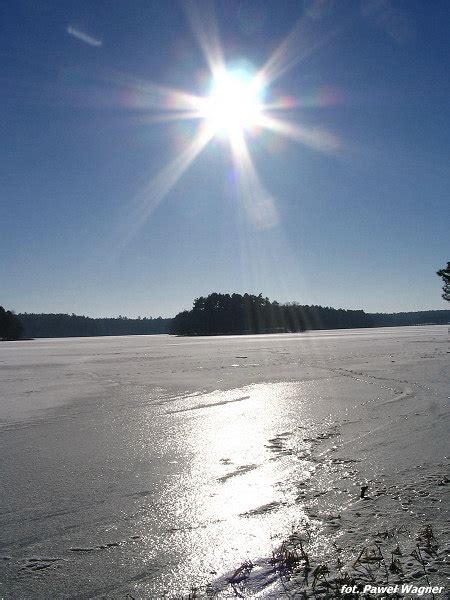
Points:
[222,314]
[217,314]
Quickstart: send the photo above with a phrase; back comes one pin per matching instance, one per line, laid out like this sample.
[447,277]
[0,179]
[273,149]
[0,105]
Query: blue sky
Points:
[360,224]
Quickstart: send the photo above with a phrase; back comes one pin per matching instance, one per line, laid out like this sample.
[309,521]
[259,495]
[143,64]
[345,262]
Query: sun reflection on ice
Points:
[236,471]
[241,466]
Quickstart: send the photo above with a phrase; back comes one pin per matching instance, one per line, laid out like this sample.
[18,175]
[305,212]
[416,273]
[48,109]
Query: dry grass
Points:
[303,575]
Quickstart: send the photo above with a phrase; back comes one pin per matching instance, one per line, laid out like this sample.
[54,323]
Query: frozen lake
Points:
[148,464]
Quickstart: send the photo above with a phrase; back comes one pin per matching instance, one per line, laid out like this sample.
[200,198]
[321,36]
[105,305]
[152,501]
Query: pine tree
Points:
[445,274]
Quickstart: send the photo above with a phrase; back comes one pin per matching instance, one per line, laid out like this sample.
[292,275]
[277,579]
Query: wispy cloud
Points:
[84,37]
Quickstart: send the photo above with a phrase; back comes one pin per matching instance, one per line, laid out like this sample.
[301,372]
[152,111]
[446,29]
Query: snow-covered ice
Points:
[150,464]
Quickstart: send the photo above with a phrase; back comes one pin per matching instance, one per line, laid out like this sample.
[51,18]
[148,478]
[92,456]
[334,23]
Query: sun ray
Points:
[149,198]
[303,40]
[203,23]
[314,137]
[257,201]
[173,116]
[168,177]
[149,95]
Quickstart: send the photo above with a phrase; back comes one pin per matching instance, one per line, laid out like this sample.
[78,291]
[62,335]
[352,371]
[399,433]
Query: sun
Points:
[240,99]
[234,103]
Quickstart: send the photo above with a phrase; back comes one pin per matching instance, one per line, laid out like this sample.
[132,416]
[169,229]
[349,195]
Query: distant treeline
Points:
[213,315]
[62,325]
[237,314]
[421,317]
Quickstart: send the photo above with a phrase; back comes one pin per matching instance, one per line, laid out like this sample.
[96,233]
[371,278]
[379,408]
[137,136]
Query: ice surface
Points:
[148,464]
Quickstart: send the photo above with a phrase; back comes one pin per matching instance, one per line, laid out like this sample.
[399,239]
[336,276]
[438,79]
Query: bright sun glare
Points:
[234,104]
[240,100]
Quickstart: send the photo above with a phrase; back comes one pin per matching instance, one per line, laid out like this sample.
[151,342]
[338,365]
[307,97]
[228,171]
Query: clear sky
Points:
[346,206]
